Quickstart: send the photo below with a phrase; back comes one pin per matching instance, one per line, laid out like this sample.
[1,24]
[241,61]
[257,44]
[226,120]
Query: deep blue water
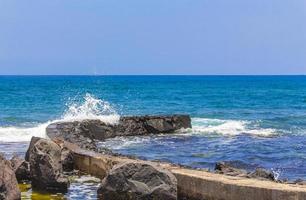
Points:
[256,120]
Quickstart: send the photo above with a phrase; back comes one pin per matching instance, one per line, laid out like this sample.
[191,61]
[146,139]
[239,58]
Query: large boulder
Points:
[21,168]
[46,168]
[84,133]
[33,141]
[138,181]
[9,189]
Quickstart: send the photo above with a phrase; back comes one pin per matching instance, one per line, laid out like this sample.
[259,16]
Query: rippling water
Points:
[254,120]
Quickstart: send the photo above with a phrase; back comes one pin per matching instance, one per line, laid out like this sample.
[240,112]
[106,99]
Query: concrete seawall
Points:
[195,184]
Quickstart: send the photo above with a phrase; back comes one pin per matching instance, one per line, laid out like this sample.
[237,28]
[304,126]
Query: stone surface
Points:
[33,141]
[84,133]
[21,168]
[261,173]
[46,168]
[67,160]
[227,169]
[9,189]
[138,181]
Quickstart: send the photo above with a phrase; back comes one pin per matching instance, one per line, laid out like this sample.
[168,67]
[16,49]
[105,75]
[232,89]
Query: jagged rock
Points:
[9,189]
[227,169]
[33,141]
[46,168]
[138,181]
[84,133]
[67,160]
[21,168]
[261,173]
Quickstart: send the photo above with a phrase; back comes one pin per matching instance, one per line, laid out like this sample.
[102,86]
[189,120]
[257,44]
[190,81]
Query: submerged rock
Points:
[138,181]
[84,133]
[9,189]
[21,168]
[46,168]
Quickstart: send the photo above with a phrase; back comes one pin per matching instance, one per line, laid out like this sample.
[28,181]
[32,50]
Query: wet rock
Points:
[46,168]
[227,169]
[73,132]
[138,181]
[9,189]
[261,173]
[84,133]
[21,168]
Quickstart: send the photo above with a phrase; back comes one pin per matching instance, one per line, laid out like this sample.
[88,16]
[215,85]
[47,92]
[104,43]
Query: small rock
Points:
[9,189]
[227,169]
[46,168]
[138,180]
[21,168]
[261,173]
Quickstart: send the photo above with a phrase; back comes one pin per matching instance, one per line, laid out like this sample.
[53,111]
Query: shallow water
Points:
[254,120]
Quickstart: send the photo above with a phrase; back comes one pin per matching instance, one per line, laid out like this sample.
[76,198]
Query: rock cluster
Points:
[8,183]
[138,181]
[84,133]
[260,173]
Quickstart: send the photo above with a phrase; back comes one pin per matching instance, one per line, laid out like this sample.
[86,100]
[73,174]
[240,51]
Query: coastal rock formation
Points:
[21,168]
[67,160]
[137,181]
[9,189]
[84,133]
[259,173]
[45,167]
[227,169]
[31,145]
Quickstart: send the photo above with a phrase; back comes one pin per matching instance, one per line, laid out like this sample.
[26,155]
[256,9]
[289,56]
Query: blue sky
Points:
[153,37]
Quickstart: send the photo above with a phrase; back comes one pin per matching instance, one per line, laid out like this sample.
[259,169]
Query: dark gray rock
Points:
[9,189]
[21,168]
[46,168]
[261,173]
[84,133]
[227,169]
[67,160]
[138,181]
[33,141]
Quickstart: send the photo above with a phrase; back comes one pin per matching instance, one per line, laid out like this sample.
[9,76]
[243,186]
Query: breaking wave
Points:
[89,108]
[229,127]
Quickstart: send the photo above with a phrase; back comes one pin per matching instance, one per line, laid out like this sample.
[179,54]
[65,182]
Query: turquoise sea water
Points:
[252,120]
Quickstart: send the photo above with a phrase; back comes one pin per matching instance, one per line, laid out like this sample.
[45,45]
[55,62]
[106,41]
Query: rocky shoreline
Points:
[48,162]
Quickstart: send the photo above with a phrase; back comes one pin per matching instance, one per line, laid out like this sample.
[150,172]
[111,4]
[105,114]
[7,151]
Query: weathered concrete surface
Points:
[83,133]
[195,184]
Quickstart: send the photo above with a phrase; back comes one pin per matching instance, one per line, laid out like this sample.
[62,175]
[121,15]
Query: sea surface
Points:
[254,121]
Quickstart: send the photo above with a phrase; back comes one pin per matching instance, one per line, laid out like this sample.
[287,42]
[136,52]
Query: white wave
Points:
[228,127]
[89,108]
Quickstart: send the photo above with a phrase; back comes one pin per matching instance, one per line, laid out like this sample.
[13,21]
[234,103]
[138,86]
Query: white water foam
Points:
[229,127]
[90,108]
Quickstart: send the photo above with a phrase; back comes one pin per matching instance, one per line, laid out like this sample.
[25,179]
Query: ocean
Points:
[253,121]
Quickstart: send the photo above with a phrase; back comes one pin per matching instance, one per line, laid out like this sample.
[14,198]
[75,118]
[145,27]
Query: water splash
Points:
[89,108]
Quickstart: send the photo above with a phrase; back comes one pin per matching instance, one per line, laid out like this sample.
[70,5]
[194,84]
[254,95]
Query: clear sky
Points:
[153,37]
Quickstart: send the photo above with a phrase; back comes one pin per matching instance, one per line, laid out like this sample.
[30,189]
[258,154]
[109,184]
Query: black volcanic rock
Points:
[138,181]
[85,132]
